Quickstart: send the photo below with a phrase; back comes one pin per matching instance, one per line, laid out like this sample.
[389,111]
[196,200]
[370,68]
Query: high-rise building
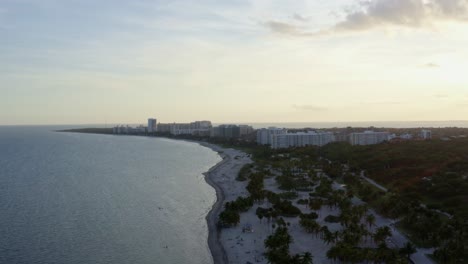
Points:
[368,138]
[152,125]
[231,131]
[199,128]
[301,139]
[264,135]
[245,130]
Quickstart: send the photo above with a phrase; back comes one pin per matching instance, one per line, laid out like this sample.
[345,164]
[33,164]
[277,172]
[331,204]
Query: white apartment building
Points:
[194,128]
[264,135]
[368,138]
[152,125]
[301,139]
[426,134]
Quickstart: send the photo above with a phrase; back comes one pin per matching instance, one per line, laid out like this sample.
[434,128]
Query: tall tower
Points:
[152,125]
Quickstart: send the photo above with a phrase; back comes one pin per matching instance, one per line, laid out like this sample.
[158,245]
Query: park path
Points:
[398,239]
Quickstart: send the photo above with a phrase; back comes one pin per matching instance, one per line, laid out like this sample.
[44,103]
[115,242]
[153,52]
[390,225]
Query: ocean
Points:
[82,198]
[366,124]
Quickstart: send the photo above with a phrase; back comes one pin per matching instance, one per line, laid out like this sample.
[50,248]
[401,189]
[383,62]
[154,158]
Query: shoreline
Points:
[227,167]
[217,250]
[228,245]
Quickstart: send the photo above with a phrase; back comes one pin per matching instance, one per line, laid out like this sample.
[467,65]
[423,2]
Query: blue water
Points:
[81,198]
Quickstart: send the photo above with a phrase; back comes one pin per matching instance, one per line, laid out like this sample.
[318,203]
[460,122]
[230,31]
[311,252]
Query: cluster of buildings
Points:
[282,138]
[279,138]
[368,138]
[197,128]
[231,131]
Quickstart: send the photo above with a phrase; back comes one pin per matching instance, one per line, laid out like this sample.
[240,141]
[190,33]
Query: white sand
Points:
[231,245]
[242,247]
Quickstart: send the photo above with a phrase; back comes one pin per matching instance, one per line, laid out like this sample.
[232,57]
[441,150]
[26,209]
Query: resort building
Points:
[152,125]
[426,134]
[164,128]
[198,128]
[230,131]
[246,130]
[264,135]
[301,139]
[368,138]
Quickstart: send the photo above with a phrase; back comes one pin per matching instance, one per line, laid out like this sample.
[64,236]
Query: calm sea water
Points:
[387,124]
[80,198]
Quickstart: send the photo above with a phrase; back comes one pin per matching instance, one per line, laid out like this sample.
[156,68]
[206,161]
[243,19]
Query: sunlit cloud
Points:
[145,56]
[368,15]
[407,13]
[291,29]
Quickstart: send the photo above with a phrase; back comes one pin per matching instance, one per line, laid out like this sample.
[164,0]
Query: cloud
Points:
[281,27]
[308,108]
[369,14]
[407,13]
[300,18]
[291,29]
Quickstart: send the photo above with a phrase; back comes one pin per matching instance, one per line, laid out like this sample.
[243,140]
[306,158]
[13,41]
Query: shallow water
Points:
[81,198]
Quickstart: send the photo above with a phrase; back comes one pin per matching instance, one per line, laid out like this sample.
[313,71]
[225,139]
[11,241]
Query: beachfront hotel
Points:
[301,139]
[231,131]
[368,138]
[264,135]
[199,128]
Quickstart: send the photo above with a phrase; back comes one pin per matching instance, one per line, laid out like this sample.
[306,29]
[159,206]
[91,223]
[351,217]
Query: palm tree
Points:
[370,220]
[306,258]
[382,233]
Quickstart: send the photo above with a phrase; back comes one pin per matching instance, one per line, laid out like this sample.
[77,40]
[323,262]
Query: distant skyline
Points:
[249,61]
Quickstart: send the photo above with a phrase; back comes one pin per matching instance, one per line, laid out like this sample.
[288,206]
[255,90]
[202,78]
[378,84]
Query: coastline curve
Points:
[217,249]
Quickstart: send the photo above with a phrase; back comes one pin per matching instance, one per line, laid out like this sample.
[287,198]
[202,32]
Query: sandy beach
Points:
[232,245]
[222,177]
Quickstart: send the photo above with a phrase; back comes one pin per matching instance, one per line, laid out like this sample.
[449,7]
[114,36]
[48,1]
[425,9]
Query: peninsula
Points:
[337,202]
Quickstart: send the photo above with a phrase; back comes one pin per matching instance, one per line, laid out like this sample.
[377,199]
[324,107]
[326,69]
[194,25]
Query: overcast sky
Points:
[120,61]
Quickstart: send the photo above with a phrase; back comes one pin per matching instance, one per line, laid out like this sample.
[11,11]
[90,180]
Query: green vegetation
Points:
[288,195]
[244,172]
[416,173]
[332,219]
[89,130]
[230,216]
[434,172]
[277,246]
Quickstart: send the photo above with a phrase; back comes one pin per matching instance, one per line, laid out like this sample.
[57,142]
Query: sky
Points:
[119,61]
